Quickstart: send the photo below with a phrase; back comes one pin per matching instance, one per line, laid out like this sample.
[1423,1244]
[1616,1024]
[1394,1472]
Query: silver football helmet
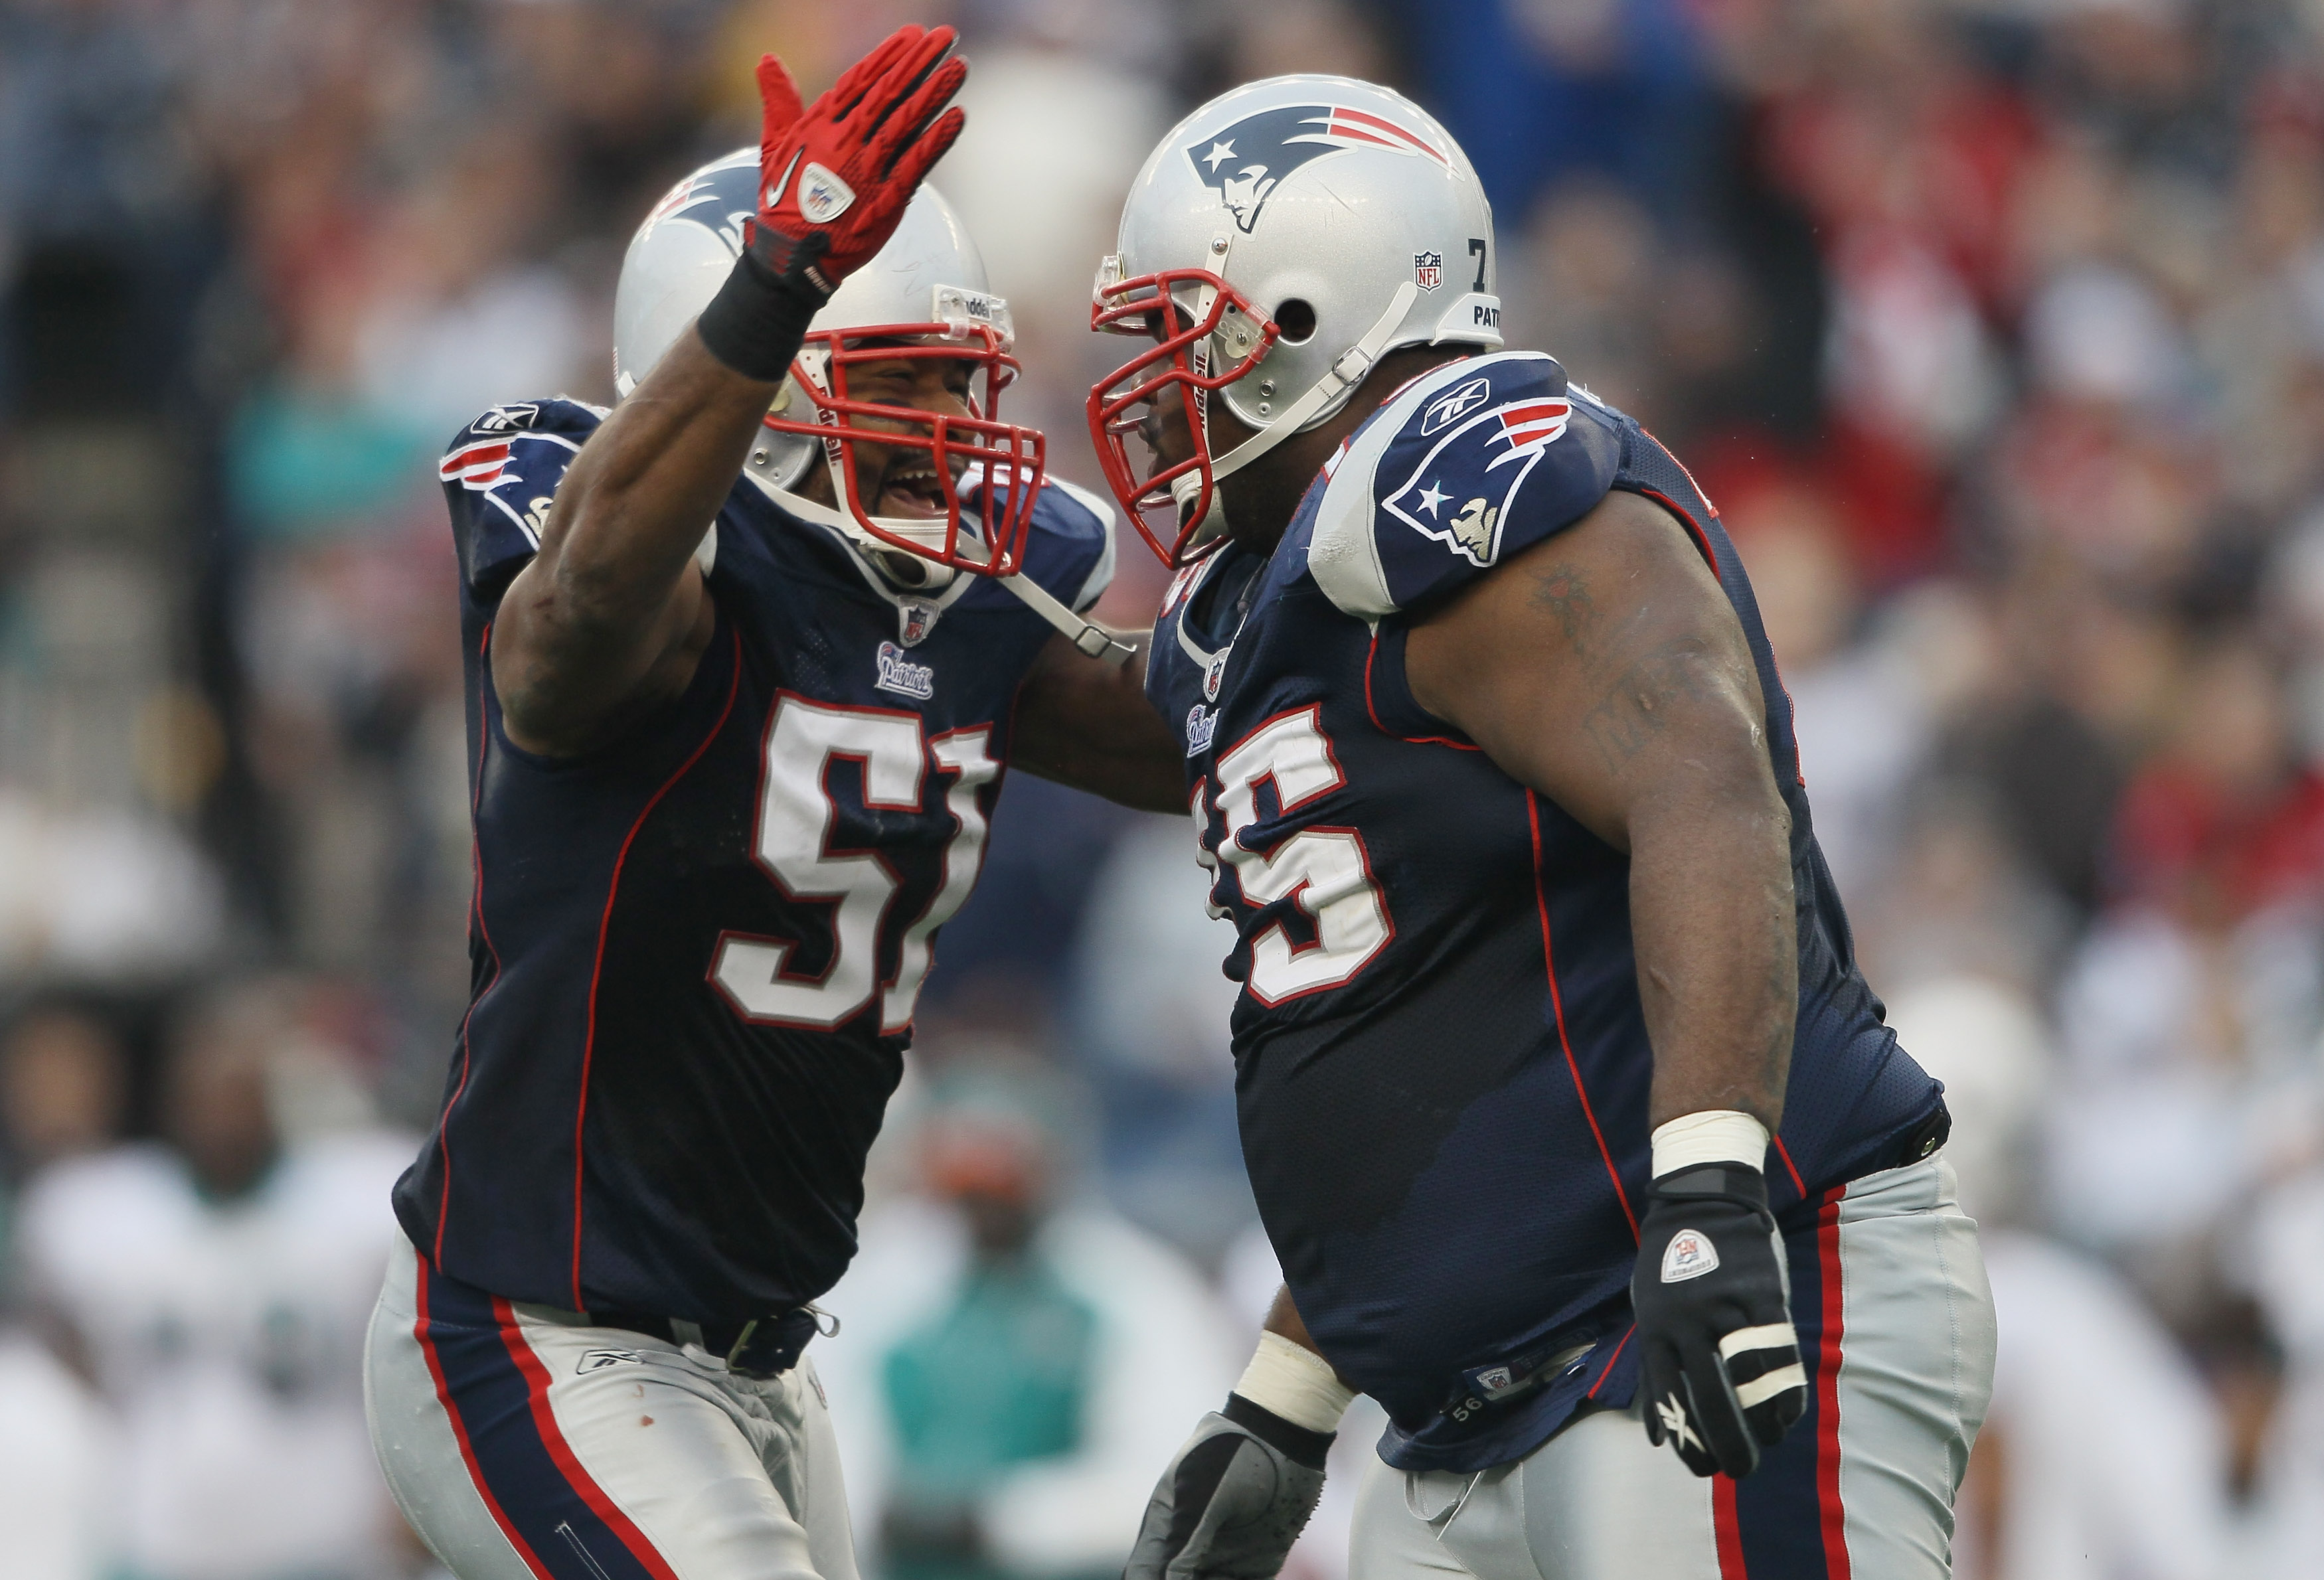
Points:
[922,296]
[1279,242]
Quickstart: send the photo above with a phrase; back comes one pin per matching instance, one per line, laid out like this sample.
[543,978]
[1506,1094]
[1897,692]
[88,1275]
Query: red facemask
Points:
[1007,461]
[1119,401]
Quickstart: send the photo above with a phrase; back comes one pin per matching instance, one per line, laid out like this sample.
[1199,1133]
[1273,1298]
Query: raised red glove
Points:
[835,177]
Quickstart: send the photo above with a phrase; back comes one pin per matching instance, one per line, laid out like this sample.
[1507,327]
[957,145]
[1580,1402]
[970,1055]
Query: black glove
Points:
[1722,1372]
[1233,1501]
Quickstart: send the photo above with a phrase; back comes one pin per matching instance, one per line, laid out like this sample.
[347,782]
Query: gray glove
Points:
[1233,1501]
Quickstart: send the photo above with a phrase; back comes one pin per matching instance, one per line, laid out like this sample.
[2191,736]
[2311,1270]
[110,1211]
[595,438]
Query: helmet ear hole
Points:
[1297,320]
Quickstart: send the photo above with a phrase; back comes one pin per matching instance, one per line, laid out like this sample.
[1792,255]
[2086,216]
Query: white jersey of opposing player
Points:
[227,1339]
[56,1464]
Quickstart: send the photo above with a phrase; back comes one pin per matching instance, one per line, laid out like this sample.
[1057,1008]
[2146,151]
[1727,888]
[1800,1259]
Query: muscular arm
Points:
[612,616]
[1605,668]
[1088,724]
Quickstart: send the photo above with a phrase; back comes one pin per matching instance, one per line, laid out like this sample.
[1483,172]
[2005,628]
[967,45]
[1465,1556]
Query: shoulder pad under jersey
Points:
[499,475]
[1074,517]
[1465,466]
[1069,551]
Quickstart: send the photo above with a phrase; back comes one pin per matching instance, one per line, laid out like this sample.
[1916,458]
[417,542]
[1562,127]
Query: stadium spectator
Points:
[2102,1453]
[1013,1353]
[218,1283]
[57,1456]
[62,1086]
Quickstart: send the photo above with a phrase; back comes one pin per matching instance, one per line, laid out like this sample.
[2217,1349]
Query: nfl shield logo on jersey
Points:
[1428,270]
[915,619]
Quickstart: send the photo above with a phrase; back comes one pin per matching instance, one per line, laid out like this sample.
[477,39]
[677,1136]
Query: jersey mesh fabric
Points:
[617,1133]
[1444,1112]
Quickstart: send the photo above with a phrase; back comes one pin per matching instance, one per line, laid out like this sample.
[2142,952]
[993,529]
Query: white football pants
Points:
[1896,1329]
[524,1445]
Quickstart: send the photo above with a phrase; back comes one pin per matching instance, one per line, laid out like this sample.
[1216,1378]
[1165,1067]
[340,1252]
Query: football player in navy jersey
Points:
[726,789]
[1576,1130]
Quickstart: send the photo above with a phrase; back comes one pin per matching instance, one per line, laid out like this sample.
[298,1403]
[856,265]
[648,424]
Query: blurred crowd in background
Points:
[1995,330]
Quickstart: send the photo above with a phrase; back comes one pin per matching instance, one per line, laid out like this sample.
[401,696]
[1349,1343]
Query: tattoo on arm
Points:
[1635,708]
[1562,590]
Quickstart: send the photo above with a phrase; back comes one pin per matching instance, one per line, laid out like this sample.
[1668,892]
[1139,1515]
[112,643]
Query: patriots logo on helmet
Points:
[731,184]
[1246,162]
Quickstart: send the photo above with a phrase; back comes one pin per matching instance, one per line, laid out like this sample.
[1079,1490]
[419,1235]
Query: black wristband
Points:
[1739,1183]
[757,321]
[1293,1441]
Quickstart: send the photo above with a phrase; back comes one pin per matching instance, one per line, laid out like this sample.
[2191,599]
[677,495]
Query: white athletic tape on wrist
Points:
[1715,1136]
[1297,1383]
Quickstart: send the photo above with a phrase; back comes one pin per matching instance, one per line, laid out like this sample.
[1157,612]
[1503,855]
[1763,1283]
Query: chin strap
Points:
[1352,366]
[1094,640]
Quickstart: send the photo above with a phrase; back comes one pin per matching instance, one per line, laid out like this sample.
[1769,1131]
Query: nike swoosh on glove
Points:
[1722,1361]
[1233,1501]
[834,178]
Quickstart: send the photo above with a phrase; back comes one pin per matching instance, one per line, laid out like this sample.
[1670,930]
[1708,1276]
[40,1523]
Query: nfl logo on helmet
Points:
[1428,270]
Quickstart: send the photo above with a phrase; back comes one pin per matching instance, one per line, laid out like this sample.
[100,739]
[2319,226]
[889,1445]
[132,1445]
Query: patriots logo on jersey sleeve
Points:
[1452,496]
[1246,162]
[477,466]
[507,465]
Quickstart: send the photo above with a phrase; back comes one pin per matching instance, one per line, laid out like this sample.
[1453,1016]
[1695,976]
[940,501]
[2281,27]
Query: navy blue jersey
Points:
[695,952]
[1441,1061]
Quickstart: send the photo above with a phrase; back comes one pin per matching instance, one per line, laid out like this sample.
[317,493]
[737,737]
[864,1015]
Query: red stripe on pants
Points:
[460,1430]
[1729,1533]
[544,1420]
[1835,1518]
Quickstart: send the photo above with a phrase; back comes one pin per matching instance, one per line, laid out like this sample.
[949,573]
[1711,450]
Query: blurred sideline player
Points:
[726,790]
[216,1281]
[1566,1106]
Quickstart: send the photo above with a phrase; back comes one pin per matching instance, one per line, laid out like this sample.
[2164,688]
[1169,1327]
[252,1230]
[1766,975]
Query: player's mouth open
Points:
[914,492]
